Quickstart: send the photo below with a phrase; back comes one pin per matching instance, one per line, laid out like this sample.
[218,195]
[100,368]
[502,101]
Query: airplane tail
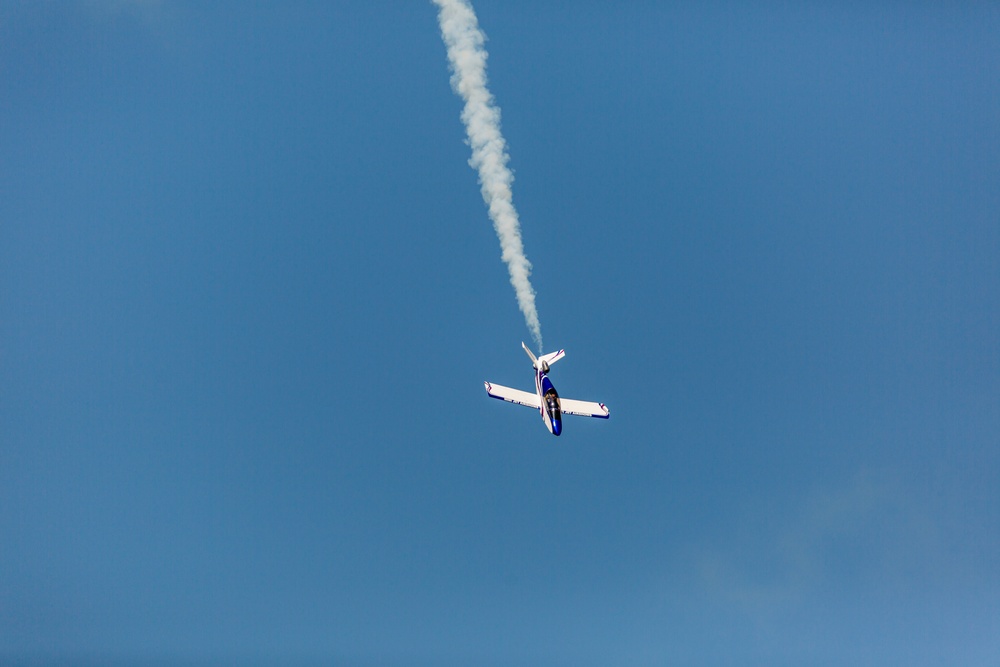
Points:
[545,360]
[534,360]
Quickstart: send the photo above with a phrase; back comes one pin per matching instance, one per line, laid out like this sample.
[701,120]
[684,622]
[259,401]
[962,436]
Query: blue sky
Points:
[250,292]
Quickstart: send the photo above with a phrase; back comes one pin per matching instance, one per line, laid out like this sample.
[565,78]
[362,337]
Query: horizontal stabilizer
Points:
[513,395]
[584,408]
[552,357]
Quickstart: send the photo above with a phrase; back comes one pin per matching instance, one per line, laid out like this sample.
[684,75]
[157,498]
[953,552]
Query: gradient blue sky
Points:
[249,293]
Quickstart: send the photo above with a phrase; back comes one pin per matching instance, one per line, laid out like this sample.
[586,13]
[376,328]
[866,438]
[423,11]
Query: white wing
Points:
[583,408]
[513,395]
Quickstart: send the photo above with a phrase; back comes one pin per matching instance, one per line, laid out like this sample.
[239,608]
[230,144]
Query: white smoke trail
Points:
[467,55]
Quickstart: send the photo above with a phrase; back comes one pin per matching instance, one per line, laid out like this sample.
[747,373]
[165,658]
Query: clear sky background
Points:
[249,293]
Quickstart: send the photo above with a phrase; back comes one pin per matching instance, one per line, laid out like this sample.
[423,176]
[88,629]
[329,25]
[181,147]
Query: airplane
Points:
[545,399]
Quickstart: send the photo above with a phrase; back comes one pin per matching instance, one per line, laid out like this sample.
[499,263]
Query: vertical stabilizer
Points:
[534,360]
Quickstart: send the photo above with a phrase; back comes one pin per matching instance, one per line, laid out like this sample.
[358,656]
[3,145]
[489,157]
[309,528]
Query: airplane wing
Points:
[583,408]
[513,395]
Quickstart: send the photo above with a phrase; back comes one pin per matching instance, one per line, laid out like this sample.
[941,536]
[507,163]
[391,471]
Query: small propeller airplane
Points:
[545,399]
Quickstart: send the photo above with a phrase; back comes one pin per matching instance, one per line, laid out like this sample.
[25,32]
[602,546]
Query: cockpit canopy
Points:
[551,399]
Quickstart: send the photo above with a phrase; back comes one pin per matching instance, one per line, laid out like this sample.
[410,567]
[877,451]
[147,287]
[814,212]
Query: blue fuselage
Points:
[550,409]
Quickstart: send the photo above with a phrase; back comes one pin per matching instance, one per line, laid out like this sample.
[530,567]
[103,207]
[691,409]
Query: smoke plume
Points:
[467,56]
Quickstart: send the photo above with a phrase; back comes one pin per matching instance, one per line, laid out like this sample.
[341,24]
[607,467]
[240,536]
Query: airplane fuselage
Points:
[550,409]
